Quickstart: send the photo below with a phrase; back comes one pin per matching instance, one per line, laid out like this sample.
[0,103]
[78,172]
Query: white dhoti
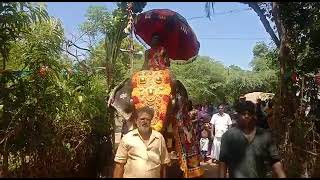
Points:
[215,150]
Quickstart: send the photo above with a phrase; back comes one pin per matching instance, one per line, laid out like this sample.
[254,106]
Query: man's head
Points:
[143,117]
[246,114]
[221,109]
[155,41]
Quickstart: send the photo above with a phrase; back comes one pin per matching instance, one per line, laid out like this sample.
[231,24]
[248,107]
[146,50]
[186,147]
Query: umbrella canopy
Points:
[176,35]
[254,96]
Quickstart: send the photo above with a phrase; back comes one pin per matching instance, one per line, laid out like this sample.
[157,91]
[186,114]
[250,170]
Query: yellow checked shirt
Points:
[142,160]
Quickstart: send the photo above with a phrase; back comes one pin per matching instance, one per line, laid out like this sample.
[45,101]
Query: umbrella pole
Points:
[131,52]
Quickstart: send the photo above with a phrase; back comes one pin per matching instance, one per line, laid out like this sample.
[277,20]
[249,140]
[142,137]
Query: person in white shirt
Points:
[204,144]
[221,122]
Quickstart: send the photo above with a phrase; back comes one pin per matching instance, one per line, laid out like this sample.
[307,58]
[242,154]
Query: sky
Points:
[228,37]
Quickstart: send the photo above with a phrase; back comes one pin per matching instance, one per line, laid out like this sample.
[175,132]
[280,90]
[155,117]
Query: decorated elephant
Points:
[169,99]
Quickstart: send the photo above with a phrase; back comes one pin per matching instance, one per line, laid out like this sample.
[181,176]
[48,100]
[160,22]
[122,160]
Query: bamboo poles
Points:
[129,29]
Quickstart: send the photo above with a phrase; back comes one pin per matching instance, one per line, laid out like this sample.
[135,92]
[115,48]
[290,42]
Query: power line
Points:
[231,38]
[221,13]
[231,34]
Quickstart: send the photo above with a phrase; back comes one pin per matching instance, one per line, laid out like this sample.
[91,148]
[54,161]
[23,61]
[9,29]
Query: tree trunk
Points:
[4,54]
[264,21]
[286,62]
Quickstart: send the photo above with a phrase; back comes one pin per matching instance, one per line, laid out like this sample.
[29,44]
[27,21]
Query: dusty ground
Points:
[211,170]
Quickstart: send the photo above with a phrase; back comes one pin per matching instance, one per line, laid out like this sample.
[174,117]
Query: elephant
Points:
[169,98]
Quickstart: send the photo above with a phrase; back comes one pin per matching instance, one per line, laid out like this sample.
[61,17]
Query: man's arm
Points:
[278,170]
[118,170]
[229,122]
[223,156]
[212,122]
[212,130]
[120,158]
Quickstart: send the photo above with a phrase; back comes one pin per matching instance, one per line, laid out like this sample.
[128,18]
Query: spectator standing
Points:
[220,122]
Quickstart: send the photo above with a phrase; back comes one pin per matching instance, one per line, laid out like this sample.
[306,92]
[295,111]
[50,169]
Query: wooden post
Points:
[131,52]
[130,25]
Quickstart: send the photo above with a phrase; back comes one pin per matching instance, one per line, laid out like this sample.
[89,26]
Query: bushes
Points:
[53,122]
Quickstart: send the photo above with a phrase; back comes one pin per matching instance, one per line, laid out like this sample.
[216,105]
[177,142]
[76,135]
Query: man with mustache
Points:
[142,152]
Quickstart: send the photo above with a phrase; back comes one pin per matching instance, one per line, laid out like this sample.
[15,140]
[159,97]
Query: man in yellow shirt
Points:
[141,152]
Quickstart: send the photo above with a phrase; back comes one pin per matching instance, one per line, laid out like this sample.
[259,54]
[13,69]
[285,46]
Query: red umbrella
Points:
[176,34]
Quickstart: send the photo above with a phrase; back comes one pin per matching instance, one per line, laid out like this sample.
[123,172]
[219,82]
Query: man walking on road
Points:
[221,122]
[142,153]
[245,149]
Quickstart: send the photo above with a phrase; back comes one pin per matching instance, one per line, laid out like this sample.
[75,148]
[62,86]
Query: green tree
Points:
[264,58]
[203,79]
[30,101]
[302,21]
[16,18]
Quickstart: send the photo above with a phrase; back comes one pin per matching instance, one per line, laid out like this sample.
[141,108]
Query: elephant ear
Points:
[120,99]
[181,89]
[182,92]
[181,96]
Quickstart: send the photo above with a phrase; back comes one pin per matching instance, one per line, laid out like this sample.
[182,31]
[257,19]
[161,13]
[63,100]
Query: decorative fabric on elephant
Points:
[153,89]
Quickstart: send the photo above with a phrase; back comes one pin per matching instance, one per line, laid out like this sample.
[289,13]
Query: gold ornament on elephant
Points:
[153,89]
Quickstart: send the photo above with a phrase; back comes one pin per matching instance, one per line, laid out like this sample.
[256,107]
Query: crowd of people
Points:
[211,122]
[244,146]
[216,129]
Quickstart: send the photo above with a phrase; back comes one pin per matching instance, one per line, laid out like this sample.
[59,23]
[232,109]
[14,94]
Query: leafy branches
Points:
[15,21]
